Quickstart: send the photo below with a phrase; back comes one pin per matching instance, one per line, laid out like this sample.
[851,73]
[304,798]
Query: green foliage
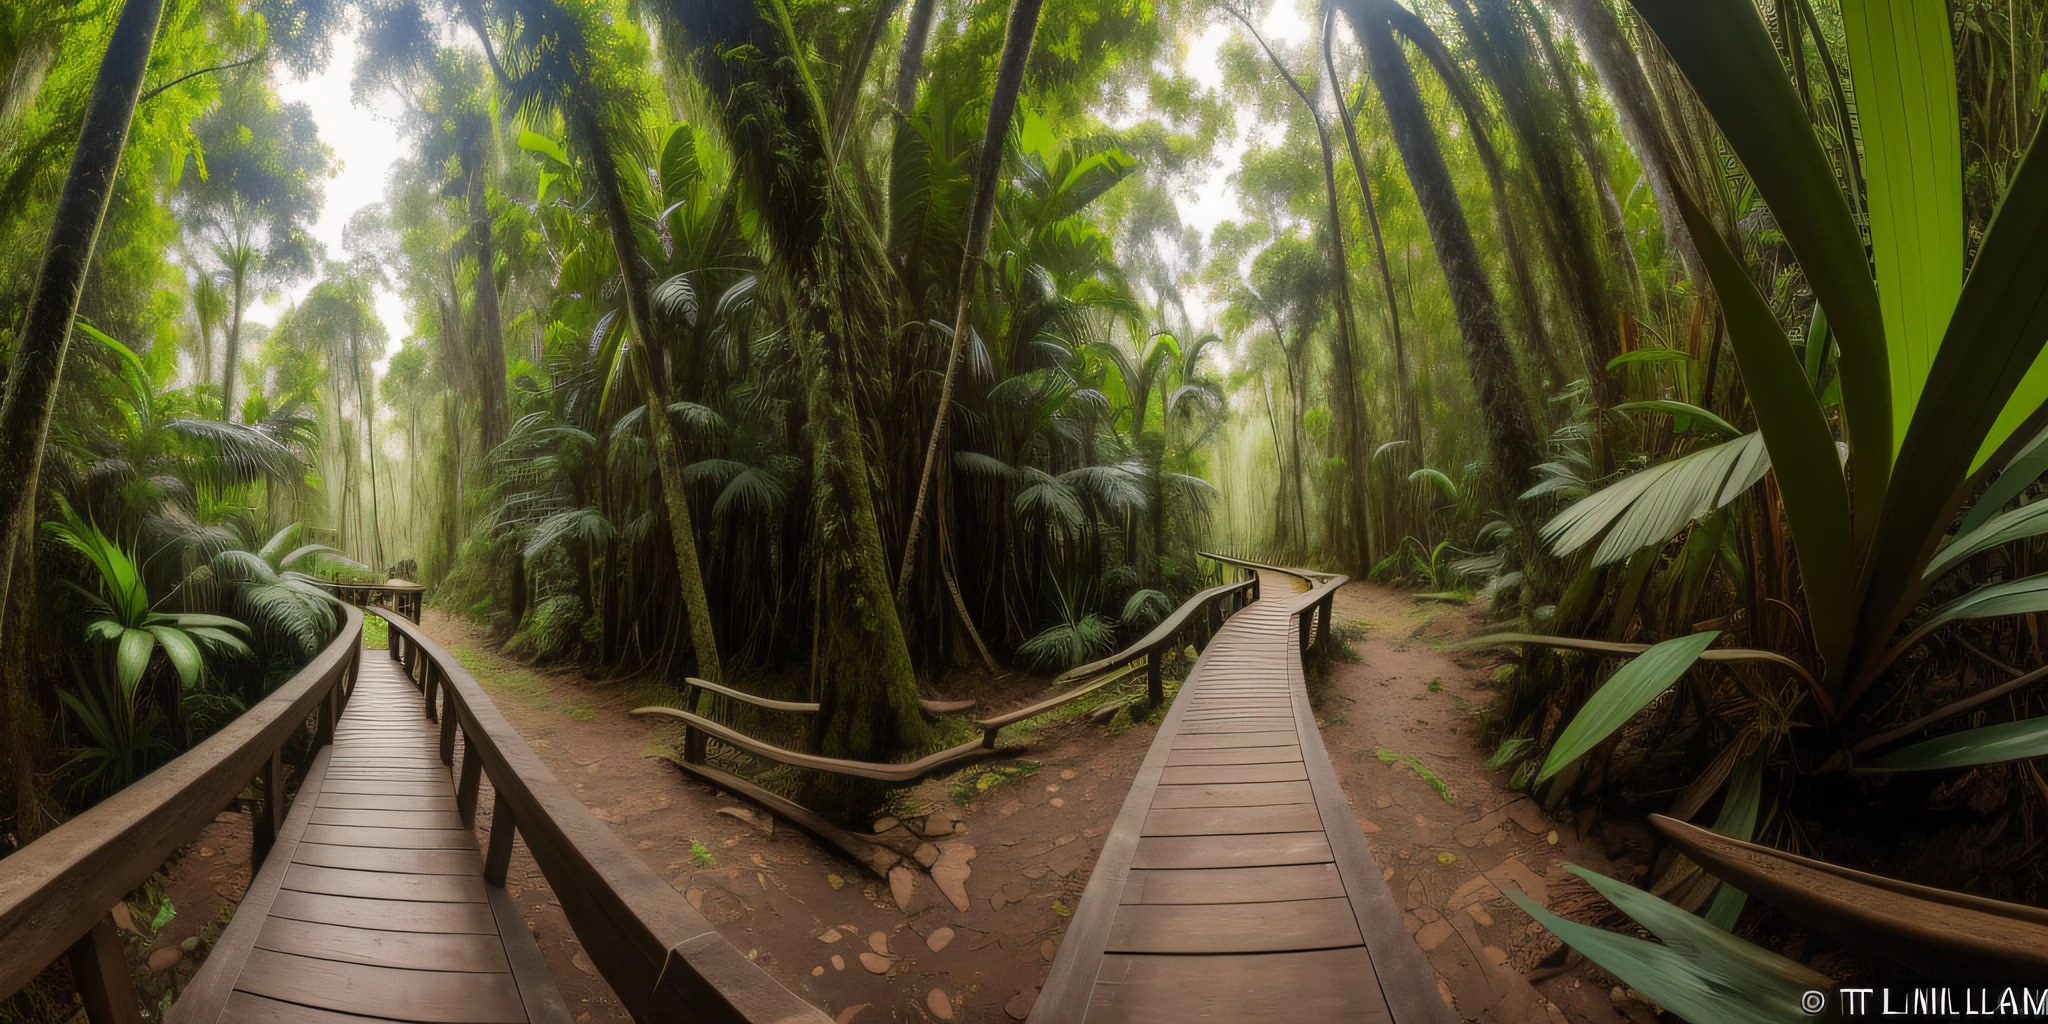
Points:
[975,783]
[1632,688]
[1422,771]
[1696,971]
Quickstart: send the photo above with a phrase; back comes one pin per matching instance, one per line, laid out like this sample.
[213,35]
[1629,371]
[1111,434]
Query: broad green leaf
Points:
[1630,688]
[2016,597]
[1817,341]
[1727,54]
[1997,332]
[2026,466]
[1802,448]
[1437,479]
[534,142]
[1682,410]
[1990,744]
[220,640]
[1653,505]
[132,658]
[2019,524]
[184,654]
[1698,972]
[678,164]
[1905,79]
[190,619]
[1649,355]
[1737,820]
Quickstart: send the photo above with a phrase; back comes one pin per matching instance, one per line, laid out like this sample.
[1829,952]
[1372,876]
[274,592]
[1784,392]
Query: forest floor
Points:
[1399,725]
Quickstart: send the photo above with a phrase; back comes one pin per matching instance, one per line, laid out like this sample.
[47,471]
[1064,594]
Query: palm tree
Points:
[558,72]
[1002,104]
[828,260]
[74,230]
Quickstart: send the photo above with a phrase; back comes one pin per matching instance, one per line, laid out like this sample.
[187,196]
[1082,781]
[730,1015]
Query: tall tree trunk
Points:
[1410,429]
[67,255]
[1353,545]
[1500,43]
[910,62]
[980,216]
[1635,110]
[668,452]
[1566,79]
[1511,436]
[493,416]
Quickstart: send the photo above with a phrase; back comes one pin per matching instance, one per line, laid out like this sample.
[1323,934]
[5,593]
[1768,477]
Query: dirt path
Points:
[1448,833]
[1394,720]
[829,931]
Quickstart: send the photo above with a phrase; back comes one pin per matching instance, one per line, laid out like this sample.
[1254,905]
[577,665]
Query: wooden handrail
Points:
[661,957]
[1312,608]
[1163,634]
[993,724]
[936,707]
[57,892]
[879,771]
[404,595]
[1312,577]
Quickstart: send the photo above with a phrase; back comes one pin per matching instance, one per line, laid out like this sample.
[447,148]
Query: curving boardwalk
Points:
[373,906]
[1235,884]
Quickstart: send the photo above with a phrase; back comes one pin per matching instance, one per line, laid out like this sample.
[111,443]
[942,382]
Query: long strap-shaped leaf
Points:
[1905,78]
[1629,690]
[1727,55]
[1993,341]
[1940,933]
[1572,643]
[1698,971]
[1803,452]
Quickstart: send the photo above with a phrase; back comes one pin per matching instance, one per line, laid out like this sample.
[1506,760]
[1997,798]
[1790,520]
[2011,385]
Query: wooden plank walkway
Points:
[1235,884]
[373,906]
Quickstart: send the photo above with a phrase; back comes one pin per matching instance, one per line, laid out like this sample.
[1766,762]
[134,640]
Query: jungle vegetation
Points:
[856,351]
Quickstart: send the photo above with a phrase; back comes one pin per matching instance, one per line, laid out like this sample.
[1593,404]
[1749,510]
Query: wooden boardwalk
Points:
[1235,884]
[373,905]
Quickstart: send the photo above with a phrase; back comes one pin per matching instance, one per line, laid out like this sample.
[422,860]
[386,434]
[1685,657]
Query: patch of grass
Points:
[974,783]
[1422,771]
[700,855]
[1436,685]
[1509,750]
[495,675]
[579,712]
[376,633]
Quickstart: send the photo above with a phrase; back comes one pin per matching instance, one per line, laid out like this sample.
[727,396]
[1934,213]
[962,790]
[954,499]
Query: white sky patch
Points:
[365,142]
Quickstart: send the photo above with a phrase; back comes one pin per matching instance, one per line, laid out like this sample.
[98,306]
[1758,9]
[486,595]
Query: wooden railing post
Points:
[99,967]
[329,716]
[270,815]
[472,779]
[447,727]
[500,855]
[428,680]
[694,742]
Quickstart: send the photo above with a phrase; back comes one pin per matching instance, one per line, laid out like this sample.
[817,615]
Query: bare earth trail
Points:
[808,916]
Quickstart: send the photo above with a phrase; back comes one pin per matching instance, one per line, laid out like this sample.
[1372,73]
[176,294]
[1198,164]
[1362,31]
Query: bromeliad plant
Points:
[129,624]
[1942,382]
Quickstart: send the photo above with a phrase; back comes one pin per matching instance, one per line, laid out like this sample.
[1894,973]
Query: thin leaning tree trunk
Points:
[1511,435]
[981,215]
[668,453]
[67,256]
[494,415]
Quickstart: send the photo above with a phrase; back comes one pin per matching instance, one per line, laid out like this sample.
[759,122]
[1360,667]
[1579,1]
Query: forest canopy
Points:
[853,352]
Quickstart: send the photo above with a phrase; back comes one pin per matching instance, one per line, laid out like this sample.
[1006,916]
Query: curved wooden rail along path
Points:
[372,901]
[402,596]
[1235,884]
[56,894]
[1208,608]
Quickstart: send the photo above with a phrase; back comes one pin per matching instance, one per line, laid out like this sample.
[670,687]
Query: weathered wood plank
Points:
[1234,927]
